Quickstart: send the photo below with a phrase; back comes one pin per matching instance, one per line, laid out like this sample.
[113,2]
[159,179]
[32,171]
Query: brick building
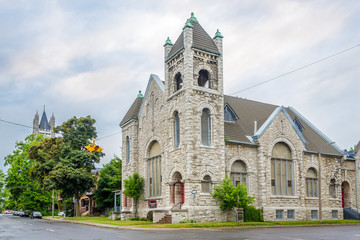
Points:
[184,134]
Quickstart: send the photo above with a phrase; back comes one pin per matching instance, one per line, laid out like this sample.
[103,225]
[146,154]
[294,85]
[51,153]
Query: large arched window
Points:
[177,129]
[127,150]
[154,170]
[204,78]
[238,173]
[311,183]
[206,184]
[205,127]
[178,82]
[281,170]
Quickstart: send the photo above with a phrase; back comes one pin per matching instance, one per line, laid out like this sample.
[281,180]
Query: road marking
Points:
[292,238]
[50,230]
[357,235]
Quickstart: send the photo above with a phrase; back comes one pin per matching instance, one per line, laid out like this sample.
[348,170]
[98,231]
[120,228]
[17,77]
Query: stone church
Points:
[44,126]
[184,135]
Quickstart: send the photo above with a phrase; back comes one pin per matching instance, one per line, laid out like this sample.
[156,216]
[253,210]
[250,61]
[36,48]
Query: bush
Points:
[134,218]
[252,214]
[187,221]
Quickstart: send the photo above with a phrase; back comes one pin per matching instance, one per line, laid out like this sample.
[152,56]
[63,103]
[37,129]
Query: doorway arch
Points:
[345,194]
[177,189]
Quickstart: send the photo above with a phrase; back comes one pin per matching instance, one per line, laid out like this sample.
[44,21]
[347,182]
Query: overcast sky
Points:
[91,57]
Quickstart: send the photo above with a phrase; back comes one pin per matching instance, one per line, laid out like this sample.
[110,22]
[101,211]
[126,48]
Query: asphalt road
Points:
[13,227]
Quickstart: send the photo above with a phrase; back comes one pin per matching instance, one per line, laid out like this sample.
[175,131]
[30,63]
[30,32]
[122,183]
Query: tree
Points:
[22,191]
[63,163]
[231,196]
[133,187]
[2,190]
[109,181]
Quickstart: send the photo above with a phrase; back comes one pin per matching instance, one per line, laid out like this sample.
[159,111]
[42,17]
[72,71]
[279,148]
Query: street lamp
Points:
[319,166]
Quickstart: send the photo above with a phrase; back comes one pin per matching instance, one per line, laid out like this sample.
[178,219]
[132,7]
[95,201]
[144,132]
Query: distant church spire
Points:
[44,126]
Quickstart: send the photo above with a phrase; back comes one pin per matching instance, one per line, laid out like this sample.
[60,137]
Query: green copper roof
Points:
[193,18]
[218,34]
[168,42]
[188,24]
[140,94]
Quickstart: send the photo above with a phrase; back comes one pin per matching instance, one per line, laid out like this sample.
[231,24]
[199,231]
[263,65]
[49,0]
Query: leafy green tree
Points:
[22,191]
[231,196]
[109,181]
[63,163]
[2,190]
[133,188]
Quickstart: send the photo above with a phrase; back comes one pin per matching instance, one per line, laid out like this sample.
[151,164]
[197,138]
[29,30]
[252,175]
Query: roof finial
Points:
[168,42]
[188,24]
[193,18]
[218,34]
[140,94]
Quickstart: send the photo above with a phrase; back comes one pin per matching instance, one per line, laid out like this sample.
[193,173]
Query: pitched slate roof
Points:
[133,111]
[44,124]
[249,111]
[201,40]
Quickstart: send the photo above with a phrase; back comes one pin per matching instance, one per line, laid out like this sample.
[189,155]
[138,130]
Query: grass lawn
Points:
[147,224]
[105,220]
[208,225]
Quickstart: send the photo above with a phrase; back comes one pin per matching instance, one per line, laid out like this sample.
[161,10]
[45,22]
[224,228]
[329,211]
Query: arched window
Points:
[127,150]
[206,184]
[177,129]
[332,189]
[178,82]
[281,170]
[238,173]
[154,170]
[311,183]
[205,127]
[203,80]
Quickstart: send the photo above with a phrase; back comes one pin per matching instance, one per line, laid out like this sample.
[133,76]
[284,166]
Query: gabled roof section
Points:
[272,117]
[136,108]
[161,85]
[44,124]
[248,111]
[133,111]
[317,141]
[201,40]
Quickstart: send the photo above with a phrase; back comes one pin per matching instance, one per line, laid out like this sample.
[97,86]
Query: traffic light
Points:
[93,147]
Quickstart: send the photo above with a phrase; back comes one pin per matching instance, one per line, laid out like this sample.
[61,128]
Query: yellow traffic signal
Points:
[93,147]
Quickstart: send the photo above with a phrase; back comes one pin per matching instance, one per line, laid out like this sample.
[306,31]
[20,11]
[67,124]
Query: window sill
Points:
[175,149]
[284,196]
[208,147]
[153,198]
[205,194]
[311,198]
[334,199]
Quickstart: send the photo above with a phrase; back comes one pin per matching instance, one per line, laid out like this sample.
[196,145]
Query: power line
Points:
[14,123]
[22,125]
[109,135]
[297,69]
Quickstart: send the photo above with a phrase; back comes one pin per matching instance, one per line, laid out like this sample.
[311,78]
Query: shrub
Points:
[252,214]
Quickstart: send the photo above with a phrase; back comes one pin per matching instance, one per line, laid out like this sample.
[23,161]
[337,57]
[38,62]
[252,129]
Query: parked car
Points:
[35,215]
[24,214]
[15,213]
